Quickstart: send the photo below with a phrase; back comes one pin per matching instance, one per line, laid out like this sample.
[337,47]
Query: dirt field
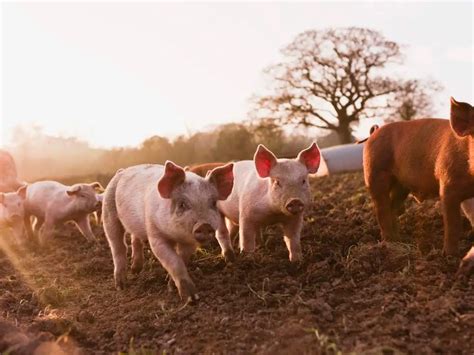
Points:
[351,293]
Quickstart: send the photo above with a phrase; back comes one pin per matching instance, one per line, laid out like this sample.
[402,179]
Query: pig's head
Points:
[12,210]
[85,196]
[193,207]
[288,178]
[462,118]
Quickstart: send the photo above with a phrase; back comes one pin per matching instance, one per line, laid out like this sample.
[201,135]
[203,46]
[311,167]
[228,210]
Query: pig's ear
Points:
[310,157]
[173,176]
[73,190]
[2,197]
[223,178]
[22,191]
[461,121]
[264,161]
[97,186]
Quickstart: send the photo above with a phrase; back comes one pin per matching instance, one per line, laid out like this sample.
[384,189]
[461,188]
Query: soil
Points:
[350,294]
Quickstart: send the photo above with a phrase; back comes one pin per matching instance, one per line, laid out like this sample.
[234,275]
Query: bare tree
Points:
[331,79]
[414,99]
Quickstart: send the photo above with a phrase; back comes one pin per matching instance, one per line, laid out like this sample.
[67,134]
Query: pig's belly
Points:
[422,188]
[132,220]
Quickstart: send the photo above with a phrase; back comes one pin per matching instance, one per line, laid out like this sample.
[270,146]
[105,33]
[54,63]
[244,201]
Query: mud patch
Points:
[351,292]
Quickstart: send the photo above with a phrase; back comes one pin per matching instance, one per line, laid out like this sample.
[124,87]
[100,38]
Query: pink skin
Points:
[268,191]
[53,203]
[12,212]
[172,209]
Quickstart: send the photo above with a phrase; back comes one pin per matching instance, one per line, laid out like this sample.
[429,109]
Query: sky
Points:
[115,73]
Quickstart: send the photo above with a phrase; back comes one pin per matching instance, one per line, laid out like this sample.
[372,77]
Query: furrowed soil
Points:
[350,294]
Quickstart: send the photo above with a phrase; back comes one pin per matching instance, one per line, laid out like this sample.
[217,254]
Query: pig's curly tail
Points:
[372,130]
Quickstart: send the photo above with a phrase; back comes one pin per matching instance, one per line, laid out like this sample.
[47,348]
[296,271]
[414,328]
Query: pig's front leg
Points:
[175,266]
[248,232]
[85,228]
[466,268]
[185,251]
[452,222]
[292,237]
[46,231]
[225,243]
[28,228]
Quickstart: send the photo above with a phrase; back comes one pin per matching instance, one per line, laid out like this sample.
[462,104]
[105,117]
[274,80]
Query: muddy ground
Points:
[351,293]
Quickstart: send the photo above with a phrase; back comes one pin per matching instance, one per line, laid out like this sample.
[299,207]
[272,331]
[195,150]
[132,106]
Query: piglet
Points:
[268,191]
[172,209]
[12,212]
[53,203]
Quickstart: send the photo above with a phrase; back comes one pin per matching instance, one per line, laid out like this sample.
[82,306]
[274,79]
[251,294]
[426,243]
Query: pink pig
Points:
[12,212]
[172,209]
[268,191]
[53,203]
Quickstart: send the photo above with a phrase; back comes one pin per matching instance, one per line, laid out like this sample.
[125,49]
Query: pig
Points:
[428,158]
[202,169]
[12,212]
[172,209]
[267,191]
[9,181]
[53,203]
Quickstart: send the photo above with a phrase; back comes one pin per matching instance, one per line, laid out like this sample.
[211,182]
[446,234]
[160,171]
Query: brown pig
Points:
[202,169]
[427,158]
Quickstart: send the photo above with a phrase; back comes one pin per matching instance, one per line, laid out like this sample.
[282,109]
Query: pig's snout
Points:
[203,232]
[295,206]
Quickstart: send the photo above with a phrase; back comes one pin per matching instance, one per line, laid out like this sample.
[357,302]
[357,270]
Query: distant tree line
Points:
[41,156]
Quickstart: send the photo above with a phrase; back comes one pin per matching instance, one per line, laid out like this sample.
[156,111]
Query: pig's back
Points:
[133,187]
[409,150]
[40,195]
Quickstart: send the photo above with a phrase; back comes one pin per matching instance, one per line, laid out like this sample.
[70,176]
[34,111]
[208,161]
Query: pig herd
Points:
[175,209]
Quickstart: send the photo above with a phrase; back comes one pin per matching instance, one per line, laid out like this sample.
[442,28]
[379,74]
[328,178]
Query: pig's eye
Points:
[276,182]
[183,206]
[304,181]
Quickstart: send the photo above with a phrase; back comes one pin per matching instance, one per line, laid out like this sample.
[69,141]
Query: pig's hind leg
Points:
[224,239]
[379,187]
[248,233]
[398,195]
[85,228]
[115,233]
[137,254]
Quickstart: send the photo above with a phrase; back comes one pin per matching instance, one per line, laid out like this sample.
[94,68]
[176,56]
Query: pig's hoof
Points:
[136,268]
[451,251]
[120,283]
[466,268]
[229,256]
[296,258]
[187,290]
